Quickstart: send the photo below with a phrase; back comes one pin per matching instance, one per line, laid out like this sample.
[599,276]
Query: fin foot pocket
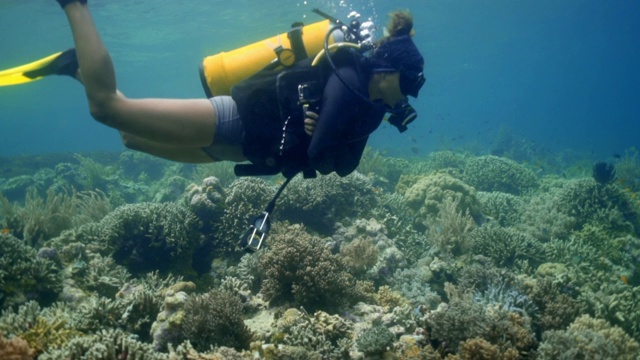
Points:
[62,63]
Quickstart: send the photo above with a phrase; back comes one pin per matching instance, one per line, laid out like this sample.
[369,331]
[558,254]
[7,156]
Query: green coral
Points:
[493,173]
[590,202]
[300,268]
[588,338]
[505,245]
[505,209]
[215,319]
[426,194]
[375,340]
[143,237]
[26,276]
[321,202]
[245,197]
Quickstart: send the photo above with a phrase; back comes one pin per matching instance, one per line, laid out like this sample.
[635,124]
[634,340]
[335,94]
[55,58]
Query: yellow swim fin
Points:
[61,63]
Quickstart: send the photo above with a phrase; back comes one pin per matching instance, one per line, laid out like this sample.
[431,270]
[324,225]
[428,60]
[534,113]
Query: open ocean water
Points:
[557,74]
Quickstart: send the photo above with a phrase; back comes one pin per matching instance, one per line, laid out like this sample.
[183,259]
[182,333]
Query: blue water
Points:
[559,74]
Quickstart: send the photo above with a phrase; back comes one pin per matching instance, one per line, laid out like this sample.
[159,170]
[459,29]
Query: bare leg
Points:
[172,123]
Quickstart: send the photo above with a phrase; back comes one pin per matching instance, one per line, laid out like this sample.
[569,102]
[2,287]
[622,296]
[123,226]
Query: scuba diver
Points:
[251,123]
[295,113]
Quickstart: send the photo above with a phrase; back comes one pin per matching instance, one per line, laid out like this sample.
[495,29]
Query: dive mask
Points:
[411,82]
[402,115]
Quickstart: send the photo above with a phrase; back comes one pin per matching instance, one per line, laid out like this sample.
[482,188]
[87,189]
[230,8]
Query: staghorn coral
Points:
[105,344]
[427,193]
[505,246]
[492,173]
[15,349]
[300,268]
[26,276]
[505,209]
[321,202]
[615,302]
[215,319]
[588,338]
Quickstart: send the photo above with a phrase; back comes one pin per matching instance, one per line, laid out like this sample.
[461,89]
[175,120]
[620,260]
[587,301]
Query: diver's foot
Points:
[64,64]
[64,3]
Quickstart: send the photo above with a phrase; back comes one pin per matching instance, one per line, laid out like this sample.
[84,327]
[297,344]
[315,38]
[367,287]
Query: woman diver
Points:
[330,137]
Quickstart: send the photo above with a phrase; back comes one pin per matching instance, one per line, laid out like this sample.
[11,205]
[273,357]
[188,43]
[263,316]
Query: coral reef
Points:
[26,276]
[588,338]
[300,268]
[375,340]
[492,173]
[506,245]
[426,194]
[15,349]
[321,202]
[215,319]
[603,173]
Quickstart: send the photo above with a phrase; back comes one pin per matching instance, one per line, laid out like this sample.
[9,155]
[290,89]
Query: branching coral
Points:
[300,268]
[24,275]
[588,338]
[505,209]
[320,203]
[505,246]
[492,173]
[146,237]
[375,340]
[246,197]
[215,319]
[464,319]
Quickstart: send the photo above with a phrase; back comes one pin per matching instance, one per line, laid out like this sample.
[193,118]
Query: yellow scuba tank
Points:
[221,71]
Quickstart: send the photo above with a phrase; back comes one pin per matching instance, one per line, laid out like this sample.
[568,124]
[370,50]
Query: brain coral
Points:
[492,173]
[426,195]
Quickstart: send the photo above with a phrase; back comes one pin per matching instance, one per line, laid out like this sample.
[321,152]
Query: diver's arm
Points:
[334,125]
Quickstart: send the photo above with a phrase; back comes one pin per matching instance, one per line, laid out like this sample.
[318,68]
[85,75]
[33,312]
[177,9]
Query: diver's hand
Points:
[310,121]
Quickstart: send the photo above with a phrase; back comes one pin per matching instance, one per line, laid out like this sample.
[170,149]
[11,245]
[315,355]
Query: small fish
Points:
[415,149]
[5,231]
[624,279]
[617,156]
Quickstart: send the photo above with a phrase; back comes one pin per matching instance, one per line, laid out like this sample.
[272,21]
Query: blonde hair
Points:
[400,23]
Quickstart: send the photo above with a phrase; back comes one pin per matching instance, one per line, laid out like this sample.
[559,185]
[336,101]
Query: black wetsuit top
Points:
[344,124]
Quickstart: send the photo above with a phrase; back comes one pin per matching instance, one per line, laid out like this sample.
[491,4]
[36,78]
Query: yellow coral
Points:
[44,335]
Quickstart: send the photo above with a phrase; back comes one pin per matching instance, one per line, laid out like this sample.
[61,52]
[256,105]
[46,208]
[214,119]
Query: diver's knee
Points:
[129,141]
[102,109]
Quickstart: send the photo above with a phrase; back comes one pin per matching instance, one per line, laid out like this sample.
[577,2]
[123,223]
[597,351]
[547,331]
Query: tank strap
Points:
[297,44]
